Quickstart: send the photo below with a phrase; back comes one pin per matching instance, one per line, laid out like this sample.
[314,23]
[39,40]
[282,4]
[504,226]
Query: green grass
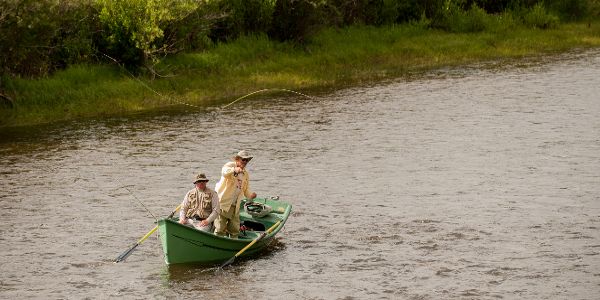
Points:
[334,58]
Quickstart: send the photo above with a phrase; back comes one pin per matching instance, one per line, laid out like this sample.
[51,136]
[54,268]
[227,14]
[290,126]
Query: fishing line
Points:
[144,206]
[195,106]
[147,86]
[264,90]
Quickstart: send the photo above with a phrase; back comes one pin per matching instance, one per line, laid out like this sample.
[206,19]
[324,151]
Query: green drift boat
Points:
[184,244]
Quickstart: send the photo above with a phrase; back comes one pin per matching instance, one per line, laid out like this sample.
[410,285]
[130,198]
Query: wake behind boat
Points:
[184,244]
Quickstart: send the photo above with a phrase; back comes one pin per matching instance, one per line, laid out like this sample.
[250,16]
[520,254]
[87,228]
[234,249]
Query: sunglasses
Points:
[246,159]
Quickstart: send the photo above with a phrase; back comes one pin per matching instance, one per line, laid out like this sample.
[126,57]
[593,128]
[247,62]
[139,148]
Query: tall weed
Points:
[455,19]
[539,17]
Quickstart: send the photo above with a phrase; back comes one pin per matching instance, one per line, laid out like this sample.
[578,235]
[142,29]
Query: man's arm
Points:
[247,192]
[215,208]
[184,207]
[228,170]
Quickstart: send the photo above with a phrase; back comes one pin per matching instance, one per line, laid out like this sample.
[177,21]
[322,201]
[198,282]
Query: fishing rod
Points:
[195,106]
[142,203]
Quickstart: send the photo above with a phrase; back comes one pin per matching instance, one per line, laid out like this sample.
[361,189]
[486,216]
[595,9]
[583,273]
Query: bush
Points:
[295,20]
[132,28]
[538,17]
[493,6]
[433,9]
[386,12]
[476,20]
[409,10]
[241,17]
[191,32]
[569,10]
[594,9]
[39,37]
[374,12]
[454,19]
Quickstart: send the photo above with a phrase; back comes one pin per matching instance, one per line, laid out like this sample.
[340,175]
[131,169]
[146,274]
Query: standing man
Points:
[232,188]
[200,206]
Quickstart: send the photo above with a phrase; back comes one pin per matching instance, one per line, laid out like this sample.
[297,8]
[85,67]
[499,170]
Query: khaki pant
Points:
[196,224]
[228,222]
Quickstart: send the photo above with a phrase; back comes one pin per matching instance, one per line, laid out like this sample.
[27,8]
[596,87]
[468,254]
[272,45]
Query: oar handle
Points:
[156,227]
[148,234]
[173,213]
[230,261]
[258,239]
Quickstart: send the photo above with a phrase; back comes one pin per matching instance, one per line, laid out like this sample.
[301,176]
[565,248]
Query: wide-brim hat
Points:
[200,177]
[243,154]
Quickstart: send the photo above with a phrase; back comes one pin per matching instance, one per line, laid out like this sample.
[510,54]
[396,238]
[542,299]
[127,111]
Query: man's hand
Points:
[204,223]
[182,221]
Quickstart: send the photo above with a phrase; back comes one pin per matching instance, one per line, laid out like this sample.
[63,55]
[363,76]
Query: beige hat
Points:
[200,177]
[243,154]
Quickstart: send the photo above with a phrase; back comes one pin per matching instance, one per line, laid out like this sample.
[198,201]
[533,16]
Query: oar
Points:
[127,252]
[230,261]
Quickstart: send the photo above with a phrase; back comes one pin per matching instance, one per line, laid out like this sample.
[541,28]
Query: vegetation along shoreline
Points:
[109,83]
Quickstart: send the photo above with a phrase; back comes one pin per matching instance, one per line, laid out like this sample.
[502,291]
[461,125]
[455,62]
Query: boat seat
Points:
[253,225]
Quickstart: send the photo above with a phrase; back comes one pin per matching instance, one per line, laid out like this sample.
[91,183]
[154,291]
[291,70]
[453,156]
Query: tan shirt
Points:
[232,188]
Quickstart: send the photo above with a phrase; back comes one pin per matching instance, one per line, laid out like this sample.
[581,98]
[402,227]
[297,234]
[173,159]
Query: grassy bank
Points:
[333,58]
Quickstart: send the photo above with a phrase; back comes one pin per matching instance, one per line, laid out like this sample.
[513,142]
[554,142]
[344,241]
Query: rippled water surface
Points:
[480,182]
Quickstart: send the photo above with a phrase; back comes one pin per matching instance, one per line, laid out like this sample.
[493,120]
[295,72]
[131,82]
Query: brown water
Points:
[480,182]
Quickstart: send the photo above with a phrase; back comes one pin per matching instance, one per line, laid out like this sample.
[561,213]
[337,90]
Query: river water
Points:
[476,182]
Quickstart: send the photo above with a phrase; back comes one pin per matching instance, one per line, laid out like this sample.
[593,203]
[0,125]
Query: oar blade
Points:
[125,254]
[228,262]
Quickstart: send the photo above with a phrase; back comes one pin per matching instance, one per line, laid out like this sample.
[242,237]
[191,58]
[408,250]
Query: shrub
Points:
[493,6]
[295,20]
[476,19]
[132,28]
[191,32]
[241,17]
[570,10]
[375,12]
[409,10]
[39,37]
[454,19]
[538,17]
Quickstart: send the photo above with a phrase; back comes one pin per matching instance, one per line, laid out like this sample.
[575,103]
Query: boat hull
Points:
[184,244]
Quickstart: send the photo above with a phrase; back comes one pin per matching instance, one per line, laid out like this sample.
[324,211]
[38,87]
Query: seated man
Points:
[200,207]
